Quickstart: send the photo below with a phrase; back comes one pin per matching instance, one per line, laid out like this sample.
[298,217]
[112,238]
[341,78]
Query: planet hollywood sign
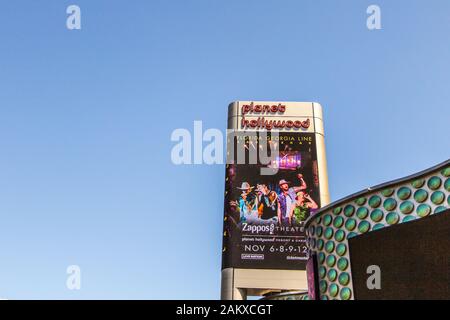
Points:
[260,122]
[260,111]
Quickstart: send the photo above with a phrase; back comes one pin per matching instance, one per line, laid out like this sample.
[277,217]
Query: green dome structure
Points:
[363,214]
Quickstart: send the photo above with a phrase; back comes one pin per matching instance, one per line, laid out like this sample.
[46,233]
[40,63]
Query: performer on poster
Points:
[268,204]
[287,199]
[247,203]
[302,208]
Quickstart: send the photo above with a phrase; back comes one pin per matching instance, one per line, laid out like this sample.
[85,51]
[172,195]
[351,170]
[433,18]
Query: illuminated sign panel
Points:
[265,214]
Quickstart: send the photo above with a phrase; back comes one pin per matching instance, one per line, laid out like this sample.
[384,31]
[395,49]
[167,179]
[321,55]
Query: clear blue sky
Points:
[86,117]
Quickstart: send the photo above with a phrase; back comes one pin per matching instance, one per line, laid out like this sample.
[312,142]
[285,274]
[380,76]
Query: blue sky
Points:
[86,117]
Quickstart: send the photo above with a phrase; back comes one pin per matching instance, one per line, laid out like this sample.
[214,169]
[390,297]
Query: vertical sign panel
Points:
[265,214]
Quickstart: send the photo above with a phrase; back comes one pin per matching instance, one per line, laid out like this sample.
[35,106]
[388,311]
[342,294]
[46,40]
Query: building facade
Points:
[390,241]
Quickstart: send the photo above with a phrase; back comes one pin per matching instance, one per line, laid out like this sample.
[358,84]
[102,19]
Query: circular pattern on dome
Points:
[446,172]
[392,218]
[329,246]
[420,195]
[406,207]
[349,210]
[341,249]
[331,260]
[342,264]
[346,294]
[378,226]
[322,272]
[390,204]
[332,275]
[440,209]
[323,286]
[434,183]
[437,197]
[319,231]
[360,201]
[320,244]
[351,235]
[338,222]
[344,278]
[327,220]
[339,235]
[362,212]
[387,192]
[374,201]
[423,210]
[447,184]
[337,210]
[363,226]
[408,218]
[418,183]
[333,290]
[350,224]
[321,257]
[376,215]
[328,234]
[404,193]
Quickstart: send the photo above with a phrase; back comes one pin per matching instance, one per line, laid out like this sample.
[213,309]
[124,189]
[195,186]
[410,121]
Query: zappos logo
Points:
[258,229]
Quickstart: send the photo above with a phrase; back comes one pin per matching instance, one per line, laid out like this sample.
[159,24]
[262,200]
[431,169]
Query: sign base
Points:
[238,284]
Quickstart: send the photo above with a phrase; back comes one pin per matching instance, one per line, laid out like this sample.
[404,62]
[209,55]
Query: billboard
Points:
[264,214]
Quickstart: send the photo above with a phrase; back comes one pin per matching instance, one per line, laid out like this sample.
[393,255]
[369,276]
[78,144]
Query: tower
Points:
[276,177]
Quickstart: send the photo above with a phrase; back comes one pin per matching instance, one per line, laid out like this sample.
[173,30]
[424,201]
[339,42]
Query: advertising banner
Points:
[265,214]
